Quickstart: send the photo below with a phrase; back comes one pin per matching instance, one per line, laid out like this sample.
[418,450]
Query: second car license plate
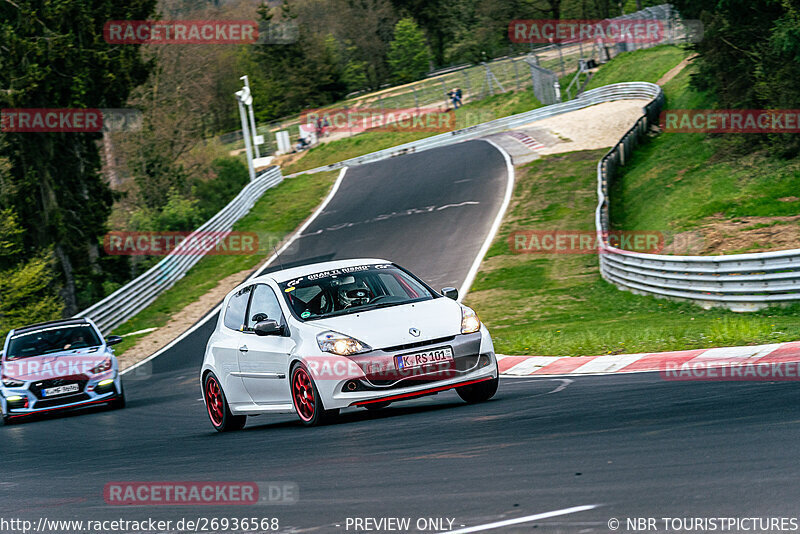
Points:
[428,357]
[60,390]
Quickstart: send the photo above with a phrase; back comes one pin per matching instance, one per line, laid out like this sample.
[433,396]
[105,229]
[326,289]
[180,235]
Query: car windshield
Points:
[51,339]
[352,289]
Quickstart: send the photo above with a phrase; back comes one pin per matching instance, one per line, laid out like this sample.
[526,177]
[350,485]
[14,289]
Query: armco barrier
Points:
[608,93]
[740,282]
[128,300]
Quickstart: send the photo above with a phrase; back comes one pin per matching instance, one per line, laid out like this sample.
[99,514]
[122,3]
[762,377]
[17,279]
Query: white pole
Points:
[252,117]
[246,135]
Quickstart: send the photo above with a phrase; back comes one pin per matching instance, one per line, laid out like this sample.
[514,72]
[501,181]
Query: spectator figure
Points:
[458,96]
[325,126]
[453,98]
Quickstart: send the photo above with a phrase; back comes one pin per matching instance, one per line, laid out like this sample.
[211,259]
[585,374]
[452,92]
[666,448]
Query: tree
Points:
[409,55]
[26,285]
[749,58]
[54,56]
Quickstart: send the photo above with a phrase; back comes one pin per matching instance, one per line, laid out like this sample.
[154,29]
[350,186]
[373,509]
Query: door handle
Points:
[243,348]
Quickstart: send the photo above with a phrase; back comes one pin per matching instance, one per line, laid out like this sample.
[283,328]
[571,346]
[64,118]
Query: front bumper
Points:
[473,361]
[34,403]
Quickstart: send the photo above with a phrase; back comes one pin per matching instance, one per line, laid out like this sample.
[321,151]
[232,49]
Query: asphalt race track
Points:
[635,445]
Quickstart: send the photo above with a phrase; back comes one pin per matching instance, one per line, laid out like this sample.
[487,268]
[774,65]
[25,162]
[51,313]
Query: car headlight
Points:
[340,344]
[102,367]
[12,382]
[469,320]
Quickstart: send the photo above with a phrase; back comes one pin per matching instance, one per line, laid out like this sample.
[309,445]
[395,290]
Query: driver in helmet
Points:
[353,293]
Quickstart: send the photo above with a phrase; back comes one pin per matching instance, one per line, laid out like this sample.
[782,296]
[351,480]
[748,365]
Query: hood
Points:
[387,327]
[63,364]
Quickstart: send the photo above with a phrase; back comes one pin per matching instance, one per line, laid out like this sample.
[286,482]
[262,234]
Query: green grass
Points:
[647,65]
[659,191]
[559,305]
[275,215]
[470,114]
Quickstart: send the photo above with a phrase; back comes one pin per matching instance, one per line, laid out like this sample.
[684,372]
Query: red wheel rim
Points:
[303,394]
[214,401]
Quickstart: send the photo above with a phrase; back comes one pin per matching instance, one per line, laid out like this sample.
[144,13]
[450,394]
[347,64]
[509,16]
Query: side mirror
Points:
[113,340]
[450,292]
[268,328]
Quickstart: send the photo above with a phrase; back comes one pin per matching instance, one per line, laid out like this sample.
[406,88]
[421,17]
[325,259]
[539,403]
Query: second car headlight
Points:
[469,320]
[12,382]
[340,344]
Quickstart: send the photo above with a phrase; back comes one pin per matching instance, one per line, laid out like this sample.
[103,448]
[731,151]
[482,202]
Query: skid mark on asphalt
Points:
[565,382]
[472,452]
[392,215]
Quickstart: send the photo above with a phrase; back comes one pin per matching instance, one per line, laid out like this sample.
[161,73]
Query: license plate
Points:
[60,390]
[428,357]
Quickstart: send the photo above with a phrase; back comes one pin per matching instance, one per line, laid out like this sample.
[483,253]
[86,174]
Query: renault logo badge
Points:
[414,332]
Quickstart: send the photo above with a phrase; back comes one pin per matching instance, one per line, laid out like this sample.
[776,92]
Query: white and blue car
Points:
[58,365]
[352,333]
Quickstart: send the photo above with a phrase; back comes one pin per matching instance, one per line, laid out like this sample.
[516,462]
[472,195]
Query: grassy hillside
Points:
[710,190]
[647,65]
[559,304]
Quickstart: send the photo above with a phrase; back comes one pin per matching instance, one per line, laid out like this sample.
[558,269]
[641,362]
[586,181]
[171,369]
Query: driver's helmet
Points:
[353,293]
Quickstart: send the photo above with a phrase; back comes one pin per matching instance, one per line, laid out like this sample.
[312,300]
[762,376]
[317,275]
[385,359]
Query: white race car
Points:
[322,337]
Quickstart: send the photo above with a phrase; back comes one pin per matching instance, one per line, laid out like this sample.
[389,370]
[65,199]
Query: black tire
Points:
[217,407]
[306,400]
[119,401]
[480,392]
[375,406]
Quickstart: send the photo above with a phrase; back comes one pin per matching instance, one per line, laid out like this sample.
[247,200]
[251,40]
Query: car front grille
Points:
[60,401]
[419,344]
[37,387]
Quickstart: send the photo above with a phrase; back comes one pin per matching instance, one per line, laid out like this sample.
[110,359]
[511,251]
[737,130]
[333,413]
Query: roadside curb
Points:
[775,353]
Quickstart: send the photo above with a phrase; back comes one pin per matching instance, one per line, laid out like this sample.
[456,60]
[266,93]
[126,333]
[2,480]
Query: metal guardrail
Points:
[131,298]
[740,282]
[608,93]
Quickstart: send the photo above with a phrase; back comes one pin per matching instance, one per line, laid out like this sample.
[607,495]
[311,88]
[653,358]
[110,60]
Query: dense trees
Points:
[749,58]
[54,56]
